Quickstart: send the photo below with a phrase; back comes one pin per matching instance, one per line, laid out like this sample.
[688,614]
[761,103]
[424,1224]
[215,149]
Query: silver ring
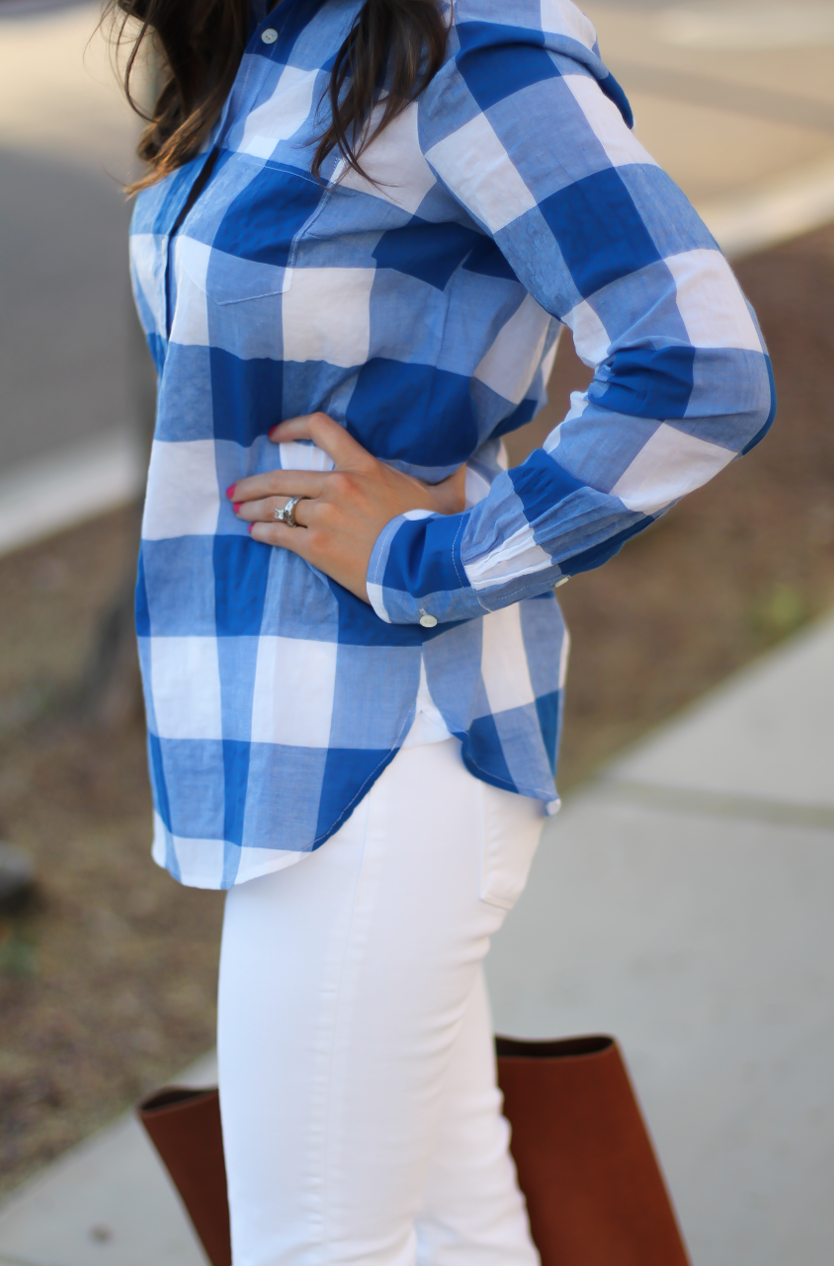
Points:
[287,513]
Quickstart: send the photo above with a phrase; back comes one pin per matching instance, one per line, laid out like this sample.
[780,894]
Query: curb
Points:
[792,204]
[42,497]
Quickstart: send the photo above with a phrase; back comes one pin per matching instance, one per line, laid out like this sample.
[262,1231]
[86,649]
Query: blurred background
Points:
[108,969]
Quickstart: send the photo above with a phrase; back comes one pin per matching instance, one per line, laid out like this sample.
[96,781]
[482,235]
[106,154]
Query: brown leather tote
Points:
[184,1126]
[585,1163]
[595,1194]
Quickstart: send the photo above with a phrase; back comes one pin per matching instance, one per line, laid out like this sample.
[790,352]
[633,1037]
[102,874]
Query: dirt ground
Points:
[107,980]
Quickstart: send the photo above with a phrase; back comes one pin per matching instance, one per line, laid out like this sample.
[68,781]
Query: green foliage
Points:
[18,955]
[780,612]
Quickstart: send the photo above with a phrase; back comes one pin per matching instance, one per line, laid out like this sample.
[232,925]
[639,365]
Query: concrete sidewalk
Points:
[682,901]
[107,1201]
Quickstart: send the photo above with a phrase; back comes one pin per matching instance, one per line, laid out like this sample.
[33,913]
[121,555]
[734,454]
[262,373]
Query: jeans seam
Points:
[336,1014]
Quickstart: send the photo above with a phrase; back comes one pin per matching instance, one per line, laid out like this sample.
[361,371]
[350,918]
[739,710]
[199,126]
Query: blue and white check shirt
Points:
[421,309]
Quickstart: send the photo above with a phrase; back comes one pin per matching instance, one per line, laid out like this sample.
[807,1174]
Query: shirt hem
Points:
[195,879]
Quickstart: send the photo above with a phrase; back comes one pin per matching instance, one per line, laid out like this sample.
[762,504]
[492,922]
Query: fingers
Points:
[327,435]
[281,535]
[282,483]
[263,511]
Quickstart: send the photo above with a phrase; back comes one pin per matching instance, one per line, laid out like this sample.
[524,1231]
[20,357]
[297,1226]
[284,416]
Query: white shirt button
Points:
[269,36]
[428,621]
[562,581]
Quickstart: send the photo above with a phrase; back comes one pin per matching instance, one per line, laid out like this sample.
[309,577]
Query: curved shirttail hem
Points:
[284,858]
[551,806]
[369,781]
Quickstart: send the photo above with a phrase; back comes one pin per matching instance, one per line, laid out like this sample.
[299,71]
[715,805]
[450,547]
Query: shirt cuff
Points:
[415,575]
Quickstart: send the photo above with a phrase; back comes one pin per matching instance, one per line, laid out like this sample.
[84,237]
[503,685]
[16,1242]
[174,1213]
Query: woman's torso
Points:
[274,696]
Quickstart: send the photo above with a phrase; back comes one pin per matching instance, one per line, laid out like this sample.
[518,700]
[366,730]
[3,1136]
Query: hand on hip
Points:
[341,511]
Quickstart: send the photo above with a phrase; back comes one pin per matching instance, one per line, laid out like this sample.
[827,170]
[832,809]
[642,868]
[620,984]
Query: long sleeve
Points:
[526,131]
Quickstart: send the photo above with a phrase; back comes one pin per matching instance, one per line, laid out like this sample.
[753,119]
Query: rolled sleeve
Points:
[527,131]
[415,575]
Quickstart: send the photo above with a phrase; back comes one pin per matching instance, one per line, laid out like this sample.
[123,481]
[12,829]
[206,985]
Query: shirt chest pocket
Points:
[229,293]
[223,278]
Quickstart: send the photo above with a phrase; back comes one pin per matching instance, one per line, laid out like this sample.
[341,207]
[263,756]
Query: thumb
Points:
[451,492]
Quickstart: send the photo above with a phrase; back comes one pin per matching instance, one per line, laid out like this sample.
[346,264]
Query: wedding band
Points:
[287,513]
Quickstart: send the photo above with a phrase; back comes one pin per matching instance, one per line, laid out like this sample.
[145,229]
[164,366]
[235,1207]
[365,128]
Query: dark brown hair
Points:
[397,45]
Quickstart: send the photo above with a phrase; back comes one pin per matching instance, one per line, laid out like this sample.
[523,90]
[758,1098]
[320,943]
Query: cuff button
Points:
[428,621]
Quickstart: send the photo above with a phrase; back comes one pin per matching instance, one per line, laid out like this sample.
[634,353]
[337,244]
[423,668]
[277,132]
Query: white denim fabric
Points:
[361,1116]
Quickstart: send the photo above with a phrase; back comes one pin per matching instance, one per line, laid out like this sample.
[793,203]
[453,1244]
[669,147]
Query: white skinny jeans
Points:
[361,1117]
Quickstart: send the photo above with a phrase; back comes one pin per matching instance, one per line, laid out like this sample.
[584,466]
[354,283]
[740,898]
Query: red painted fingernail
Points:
[249,529]
[236,506]
[230,490]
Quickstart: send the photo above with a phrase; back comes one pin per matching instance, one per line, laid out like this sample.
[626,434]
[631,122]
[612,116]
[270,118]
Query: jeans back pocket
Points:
[510,832]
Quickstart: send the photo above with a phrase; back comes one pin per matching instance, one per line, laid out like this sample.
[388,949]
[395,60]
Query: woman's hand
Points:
[344,510]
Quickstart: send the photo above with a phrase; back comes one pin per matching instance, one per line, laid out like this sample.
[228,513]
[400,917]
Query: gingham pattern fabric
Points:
[420,308]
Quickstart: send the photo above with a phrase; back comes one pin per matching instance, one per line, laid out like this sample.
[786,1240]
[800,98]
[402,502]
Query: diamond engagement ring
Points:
[287,513]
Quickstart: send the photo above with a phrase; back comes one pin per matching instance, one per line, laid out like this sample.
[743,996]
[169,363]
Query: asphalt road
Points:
[66,316]
[70,352]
